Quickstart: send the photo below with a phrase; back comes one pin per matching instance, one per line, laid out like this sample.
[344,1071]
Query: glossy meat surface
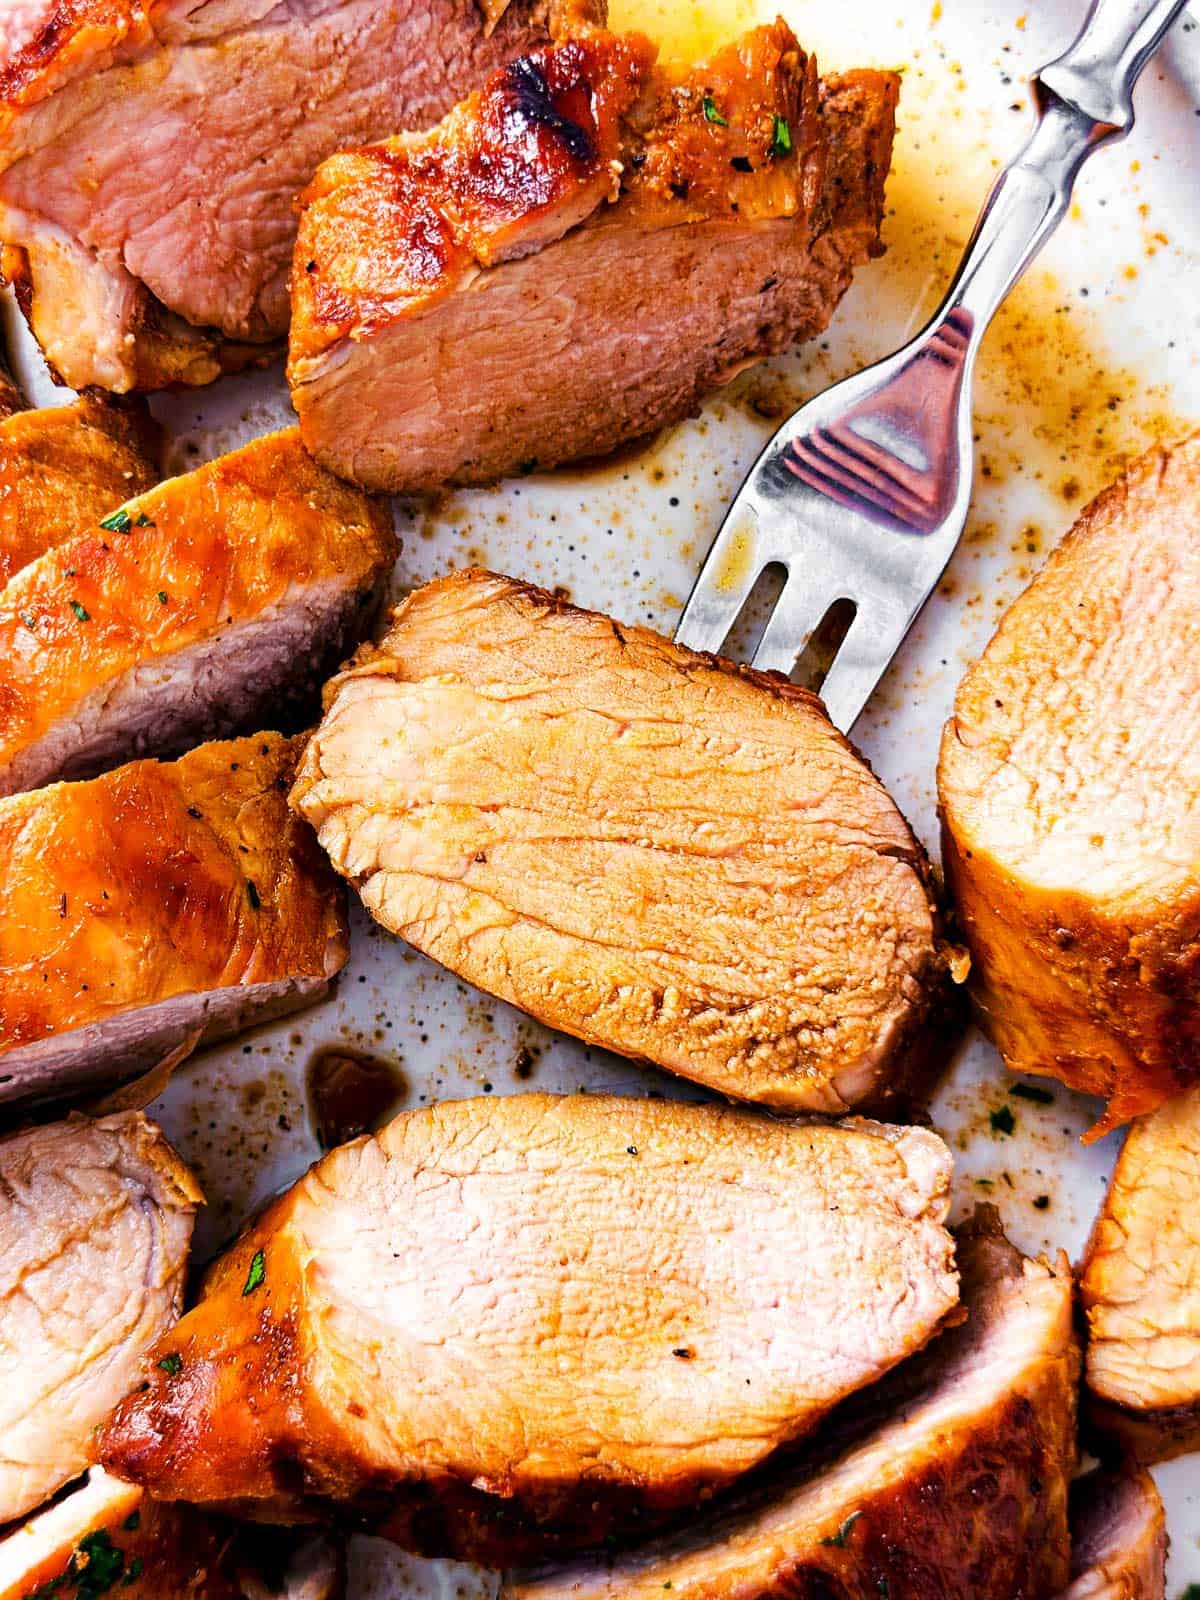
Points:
[658,852]
[95,1225]
[450,331]
[1070,792]
[948,1482]
[62,469]
[164,270]
[506,1325]
[208,606]
[158,905]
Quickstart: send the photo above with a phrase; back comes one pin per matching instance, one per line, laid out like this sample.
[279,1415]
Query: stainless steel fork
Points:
[863,493]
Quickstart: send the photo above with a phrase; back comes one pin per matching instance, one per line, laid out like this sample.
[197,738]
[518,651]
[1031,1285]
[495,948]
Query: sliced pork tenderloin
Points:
[159,906]
[659,852]
[505,1326]
[172,268]
[1140,1285]
[209,606]
[95,1226]
[1070,792]
[109,1538]
[1119,1538]
[468,304]
[62,468]
[949,1480]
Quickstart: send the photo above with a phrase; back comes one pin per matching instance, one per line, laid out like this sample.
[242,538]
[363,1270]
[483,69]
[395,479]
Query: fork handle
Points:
[1084,101]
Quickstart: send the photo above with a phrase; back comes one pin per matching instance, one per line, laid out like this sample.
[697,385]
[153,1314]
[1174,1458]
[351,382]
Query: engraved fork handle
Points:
[1084,100]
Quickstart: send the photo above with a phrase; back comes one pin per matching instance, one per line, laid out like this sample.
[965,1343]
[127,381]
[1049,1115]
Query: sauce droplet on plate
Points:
[350,1093]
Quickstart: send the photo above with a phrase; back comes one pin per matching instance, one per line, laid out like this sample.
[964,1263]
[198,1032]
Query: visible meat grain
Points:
[656,851]
[1070,790]
[463,1329]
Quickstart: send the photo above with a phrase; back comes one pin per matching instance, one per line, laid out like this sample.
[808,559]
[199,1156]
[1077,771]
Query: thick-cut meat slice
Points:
[1119,1538]
[467,304]
[109,1538]
[206,607]
[95,1225]
[158,906]
[950,1480]
[164,269]
[65,467]
[657,851]
[1141,1289]
[1070,791]
[502,1326]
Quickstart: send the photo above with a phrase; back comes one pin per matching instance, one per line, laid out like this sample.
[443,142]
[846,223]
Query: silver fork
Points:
[863,493]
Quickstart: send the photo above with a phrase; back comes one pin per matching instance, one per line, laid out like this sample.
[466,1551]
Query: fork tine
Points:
[800,608]
[864,656]
[731,569]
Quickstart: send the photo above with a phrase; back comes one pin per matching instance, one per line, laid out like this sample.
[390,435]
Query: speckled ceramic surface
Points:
[1097,355]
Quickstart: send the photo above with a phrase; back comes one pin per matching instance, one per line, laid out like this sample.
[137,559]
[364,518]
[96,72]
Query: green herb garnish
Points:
[171,1364]
[1030,1091]
[79,611]
[258,1271]
[134,1573]
[1003,1121]
[162,597]
[253,894]
[96,1565]
[27,620]
[132,1521]
[117,522]
[781,137]
[838,1539]
[711,114]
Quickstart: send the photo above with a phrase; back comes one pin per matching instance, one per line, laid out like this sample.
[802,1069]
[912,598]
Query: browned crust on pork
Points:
[1099,995]
[159,880]
[383,232]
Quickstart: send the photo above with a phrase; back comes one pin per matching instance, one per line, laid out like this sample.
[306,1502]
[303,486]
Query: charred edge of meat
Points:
[1116,1433]
[533,105]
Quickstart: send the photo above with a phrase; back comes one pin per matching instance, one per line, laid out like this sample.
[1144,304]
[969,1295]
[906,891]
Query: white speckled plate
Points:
[1097,355]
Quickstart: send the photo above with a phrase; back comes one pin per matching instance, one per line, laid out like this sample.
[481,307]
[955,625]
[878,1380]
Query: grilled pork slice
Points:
[63,468]
[154,908]
[1069,781]
[1119,1538]
[1141,1289]
[109,1538]
[468,304]
[167,269]
[504,1325]
[210,605]
[656,851]
[951,1480]
[95,1225]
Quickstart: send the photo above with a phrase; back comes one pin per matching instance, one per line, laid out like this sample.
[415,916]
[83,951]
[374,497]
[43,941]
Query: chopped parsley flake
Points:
[711,114]
[257,1273]
[132,1521]
[1003,1121]
[162,597]
[838,1539]
[253,894]
[27,620]
[781,137]
[96,1565]
[143,521]
[171,1364]
[117,522]
[80,611]
[134,1573]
